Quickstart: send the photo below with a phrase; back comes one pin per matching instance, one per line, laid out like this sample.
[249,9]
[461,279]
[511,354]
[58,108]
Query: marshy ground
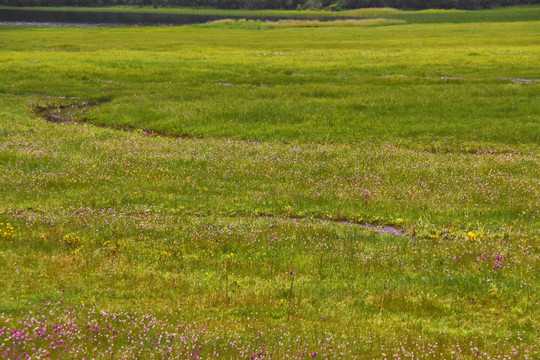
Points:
[223,222]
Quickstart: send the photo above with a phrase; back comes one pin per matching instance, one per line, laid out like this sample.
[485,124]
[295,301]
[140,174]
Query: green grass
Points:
[325,84]
[219,176]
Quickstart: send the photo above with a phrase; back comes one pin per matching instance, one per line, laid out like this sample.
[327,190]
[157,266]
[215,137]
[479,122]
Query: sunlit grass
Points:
[259,25]
[207,190]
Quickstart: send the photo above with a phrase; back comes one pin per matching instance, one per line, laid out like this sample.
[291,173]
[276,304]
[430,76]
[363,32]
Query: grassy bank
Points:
[202,191]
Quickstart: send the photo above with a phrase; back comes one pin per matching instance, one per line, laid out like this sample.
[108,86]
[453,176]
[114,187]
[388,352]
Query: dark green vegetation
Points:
[121,14]
[332,5]
[207,176]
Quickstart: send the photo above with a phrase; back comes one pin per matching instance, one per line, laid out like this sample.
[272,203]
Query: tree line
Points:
[282,4]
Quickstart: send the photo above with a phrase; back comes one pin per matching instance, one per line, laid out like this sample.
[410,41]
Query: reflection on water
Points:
[95,18]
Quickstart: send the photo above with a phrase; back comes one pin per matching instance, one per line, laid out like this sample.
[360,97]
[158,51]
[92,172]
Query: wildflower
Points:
[8,232]
[494,292]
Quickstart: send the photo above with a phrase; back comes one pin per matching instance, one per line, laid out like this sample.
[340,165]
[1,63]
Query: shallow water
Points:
[32,17]
[44,23]
[94,18]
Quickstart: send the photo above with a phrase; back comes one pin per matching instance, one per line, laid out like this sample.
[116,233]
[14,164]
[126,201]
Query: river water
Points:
[97,18]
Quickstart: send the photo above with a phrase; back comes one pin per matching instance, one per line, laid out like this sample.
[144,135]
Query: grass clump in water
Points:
[260,25]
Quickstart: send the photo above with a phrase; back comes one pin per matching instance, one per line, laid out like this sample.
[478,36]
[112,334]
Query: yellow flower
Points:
[494,291]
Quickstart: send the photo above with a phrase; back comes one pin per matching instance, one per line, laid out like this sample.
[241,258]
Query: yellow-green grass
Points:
[261,25]
[277,144]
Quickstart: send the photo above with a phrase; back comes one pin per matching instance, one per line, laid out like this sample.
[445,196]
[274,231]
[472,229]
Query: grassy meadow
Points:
[203,191]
